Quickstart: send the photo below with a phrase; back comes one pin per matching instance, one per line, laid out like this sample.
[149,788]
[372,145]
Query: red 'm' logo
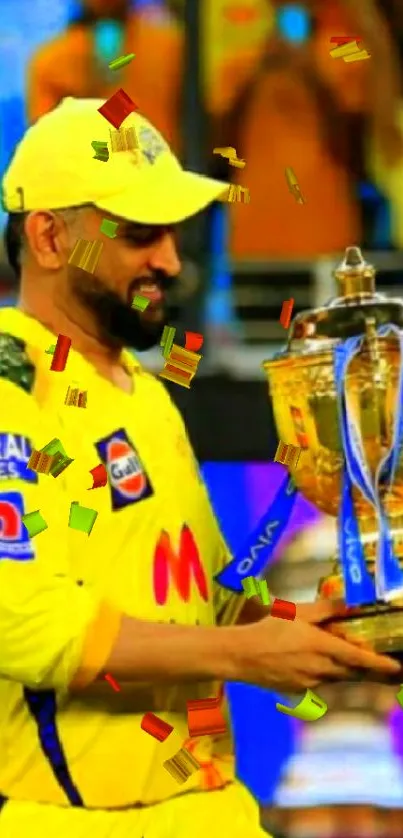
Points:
[179,568]
[10,521]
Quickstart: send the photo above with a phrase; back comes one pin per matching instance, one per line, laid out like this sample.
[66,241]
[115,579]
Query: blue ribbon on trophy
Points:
[253,558]
[359,584]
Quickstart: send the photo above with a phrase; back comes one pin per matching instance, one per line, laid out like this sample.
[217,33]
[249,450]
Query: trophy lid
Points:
[350,313]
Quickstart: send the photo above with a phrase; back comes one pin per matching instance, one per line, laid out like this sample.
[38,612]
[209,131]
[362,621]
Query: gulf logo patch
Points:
[128,479]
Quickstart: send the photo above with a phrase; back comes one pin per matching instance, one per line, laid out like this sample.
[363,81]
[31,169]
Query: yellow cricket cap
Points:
[54,165]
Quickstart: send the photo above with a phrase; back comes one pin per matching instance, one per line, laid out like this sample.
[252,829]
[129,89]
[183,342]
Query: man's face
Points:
[140,260]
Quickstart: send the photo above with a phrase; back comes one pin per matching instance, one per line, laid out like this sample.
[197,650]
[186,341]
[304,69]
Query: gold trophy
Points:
[317,408]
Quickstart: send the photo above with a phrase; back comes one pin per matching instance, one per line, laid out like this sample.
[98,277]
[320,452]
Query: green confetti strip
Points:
[109,228]
[117,63]
[34,523]
[140,302]
[167,340]
[82,518]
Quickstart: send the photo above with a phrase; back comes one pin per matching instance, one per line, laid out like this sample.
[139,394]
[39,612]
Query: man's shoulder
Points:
[15,363]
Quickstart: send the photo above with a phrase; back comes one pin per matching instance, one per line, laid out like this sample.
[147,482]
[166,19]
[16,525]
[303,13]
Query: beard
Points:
[117,323]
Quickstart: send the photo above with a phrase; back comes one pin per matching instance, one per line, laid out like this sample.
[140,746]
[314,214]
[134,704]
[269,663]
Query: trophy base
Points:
[381,626]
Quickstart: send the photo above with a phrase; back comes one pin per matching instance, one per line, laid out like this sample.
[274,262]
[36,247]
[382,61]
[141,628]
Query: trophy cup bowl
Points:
[305,404]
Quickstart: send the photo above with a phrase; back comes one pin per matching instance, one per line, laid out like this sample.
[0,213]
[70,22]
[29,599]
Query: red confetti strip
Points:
[113,683]
[205,717]
[156,727]
[60,354]
[283,609]
[117,108]
[286,313]
[99,476]
[193,341]
[340,40]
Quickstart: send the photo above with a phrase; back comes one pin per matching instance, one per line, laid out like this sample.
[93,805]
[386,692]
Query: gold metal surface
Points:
[301,383]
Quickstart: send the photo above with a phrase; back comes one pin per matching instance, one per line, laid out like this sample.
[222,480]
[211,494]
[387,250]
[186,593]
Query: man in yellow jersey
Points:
[135,599]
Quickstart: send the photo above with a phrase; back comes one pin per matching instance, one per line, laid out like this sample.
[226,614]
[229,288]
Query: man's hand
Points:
[294,656]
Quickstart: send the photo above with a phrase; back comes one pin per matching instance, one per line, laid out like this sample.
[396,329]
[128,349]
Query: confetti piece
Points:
[256,587]
[82,518]
[51,350]
[205,717]
[117,108]
[263,591]
[225,151]
[117,63]
[103,156]
[125,139]
[293,185]
[140,303]
[283,609]
[181,766]
[181,367]
[99,476]
[399,696]
[309,709]
[156,727]
[286,312]
[229,153]
[60,464]
[54,447]
[344,39]
[250,587]
[357,56]
[235,194]
[101,150]
[193,341]
[288,455]
[76,397]
[299,427]
[85,255]
[61,460]
[34,523]
[60,354]
[346,49]
[99,145]
[109,228]
[167,340]
[40,463]
[113,683]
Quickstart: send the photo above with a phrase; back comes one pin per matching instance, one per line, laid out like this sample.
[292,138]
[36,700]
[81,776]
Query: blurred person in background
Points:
[388,172]
[309,111]
[280,101]
[76,62]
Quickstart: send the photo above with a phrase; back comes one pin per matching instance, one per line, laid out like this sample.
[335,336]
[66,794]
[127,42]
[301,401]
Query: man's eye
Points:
[146,236]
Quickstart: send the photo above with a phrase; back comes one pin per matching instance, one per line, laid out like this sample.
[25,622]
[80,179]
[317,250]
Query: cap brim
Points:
[169,200]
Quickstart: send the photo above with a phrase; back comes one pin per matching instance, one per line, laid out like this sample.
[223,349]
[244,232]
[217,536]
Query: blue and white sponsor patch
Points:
[14,539]
[128,480]
[15,451]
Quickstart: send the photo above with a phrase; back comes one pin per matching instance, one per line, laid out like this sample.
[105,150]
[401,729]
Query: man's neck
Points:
[105,359]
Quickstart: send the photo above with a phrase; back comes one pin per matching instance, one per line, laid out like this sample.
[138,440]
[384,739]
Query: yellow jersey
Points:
[152,554]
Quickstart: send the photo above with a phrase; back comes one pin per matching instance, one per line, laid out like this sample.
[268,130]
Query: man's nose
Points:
[165,257]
